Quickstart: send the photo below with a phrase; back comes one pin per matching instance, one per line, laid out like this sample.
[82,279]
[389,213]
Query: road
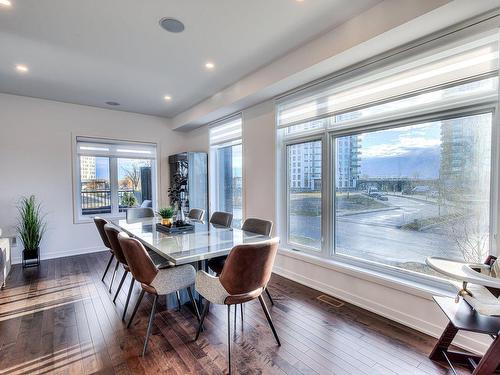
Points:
[377,235]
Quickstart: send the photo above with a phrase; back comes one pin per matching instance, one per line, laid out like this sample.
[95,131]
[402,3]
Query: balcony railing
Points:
[94,202]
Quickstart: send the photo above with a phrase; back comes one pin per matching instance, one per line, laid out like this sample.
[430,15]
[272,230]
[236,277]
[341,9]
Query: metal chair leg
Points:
[269,296]
[266,312]
[130,289]
[195,305]
[114,274]
[120,285]
[136,308]
[229,336]
[150,325]
[235,313]
[203,315]
[107,267]
[178,295]
[241,310]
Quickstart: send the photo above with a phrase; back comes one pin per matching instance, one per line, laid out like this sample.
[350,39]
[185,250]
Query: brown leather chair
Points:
[222,219]
[244,277]
[157,282]
[254,225]
[112,234]
[196,214]
[100,223]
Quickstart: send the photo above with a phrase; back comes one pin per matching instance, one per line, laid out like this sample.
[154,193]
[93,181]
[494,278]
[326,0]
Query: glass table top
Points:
[205,242]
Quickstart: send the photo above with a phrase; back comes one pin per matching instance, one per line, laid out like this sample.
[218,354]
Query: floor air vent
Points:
[330,300]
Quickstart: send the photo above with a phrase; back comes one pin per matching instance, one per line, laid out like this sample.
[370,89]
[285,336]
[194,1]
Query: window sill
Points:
[90,219]
[390,281]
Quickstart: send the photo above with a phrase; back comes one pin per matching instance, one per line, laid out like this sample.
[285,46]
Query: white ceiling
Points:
[93,51]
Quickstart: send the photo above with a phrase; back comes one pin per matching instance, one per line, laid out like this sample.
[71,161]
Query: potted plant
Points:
[166,214]
[31,227]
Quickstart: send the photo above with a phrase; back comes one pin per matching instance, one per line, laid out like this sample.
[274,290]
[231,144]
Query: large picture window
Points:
[395,163]
[111,176]
[227,168]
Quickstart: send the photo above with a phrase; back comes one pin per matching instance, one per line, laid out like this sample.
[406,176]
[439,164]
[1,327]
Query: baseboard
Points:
[17,258]
[413,322]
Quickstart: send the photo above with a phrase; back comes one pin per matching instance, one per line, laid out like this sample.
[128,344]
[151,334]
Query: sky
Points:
[102,166]
[410,151]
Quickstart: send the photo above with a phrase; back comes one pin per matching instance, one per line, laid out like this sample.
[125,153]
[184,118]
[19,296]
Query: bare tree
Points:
[133,176]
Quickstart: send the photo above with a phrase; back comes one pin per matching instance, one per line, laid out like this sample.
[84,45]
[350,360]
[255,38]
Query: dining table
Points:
[196,246]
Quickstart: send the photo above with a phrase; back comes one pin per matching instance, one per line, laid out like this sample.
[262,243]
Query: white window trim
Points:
[78,218]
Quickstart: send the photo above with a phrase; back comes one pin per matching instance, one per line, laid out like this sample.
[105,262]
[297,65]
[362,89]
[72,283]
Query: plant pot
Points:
[167,222]
[31,258]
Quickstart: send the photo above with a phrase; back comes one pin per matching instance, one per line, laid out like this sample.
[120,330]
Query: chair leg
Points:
[120,285]
[241,310]
[195,305]
[269,296]
[235,313]
[203,315]
[107,267]
[136,308]
[229,336]
[114,274]
[130,289]
[178,295]
[266,312]
[150,325]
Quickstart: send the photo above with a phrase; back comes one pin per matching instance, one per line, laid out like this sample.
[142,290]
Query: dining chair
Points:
[112,234]
[223,219]
[147,203]
[254,225]
[139,213]
[244,277]
[196,214]
[100,223]
[154,281]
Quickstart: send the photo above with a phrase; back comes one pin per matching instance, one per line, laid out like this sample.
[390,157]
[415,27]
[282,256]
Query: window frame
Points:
[215,175]
[78,218]
[328,136]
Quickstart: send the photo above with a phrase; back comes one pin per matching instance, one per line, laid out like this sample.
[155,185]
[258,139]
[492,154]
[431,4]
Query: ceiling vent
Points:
[172,25]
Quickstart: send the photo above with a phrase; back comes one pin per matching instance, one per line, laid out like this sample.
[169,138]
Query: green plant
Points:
[31,223]
[129,199]
[166,213]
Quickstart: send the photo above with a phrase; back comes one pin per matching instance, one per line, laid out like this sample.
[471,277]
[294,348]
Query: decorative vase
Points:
[167,221]
[31,258]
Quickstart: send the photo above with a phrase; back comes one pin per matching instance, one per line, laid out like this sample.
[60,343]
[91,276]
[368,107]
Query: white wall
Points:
[36,158]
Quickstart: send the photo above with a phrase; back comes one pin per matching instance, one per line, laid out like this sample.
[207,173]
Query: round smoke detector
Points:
[172,25]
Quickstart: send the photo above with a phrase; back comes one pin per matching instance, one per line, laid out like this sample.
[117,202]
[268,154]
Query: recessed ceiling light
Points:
[172,25]
[167,98]
[5,3]
[22,68]
[114,104]
[209,65]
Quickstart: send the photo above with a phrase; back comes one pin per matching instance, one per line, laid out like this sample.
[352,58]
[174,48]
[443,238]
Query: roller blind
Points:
[106,147]
[448,65]
[226,131]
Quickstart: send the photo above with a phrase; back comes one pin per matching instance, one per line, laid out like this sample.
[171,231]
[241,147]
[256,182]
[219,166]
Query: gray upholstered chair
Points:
[196,214]
[154,281]
[139,213]
[147,203]
[100,223]
[223,219]
[245,275]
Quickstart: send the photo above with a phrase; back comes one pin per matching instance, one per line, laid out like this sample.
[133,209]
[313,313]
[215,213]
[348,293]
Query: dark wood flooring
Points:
[59,318]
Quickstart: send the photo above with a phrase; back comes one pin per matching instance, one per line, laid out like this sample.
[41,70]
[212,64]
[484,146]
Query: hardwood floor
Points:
[60,319]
